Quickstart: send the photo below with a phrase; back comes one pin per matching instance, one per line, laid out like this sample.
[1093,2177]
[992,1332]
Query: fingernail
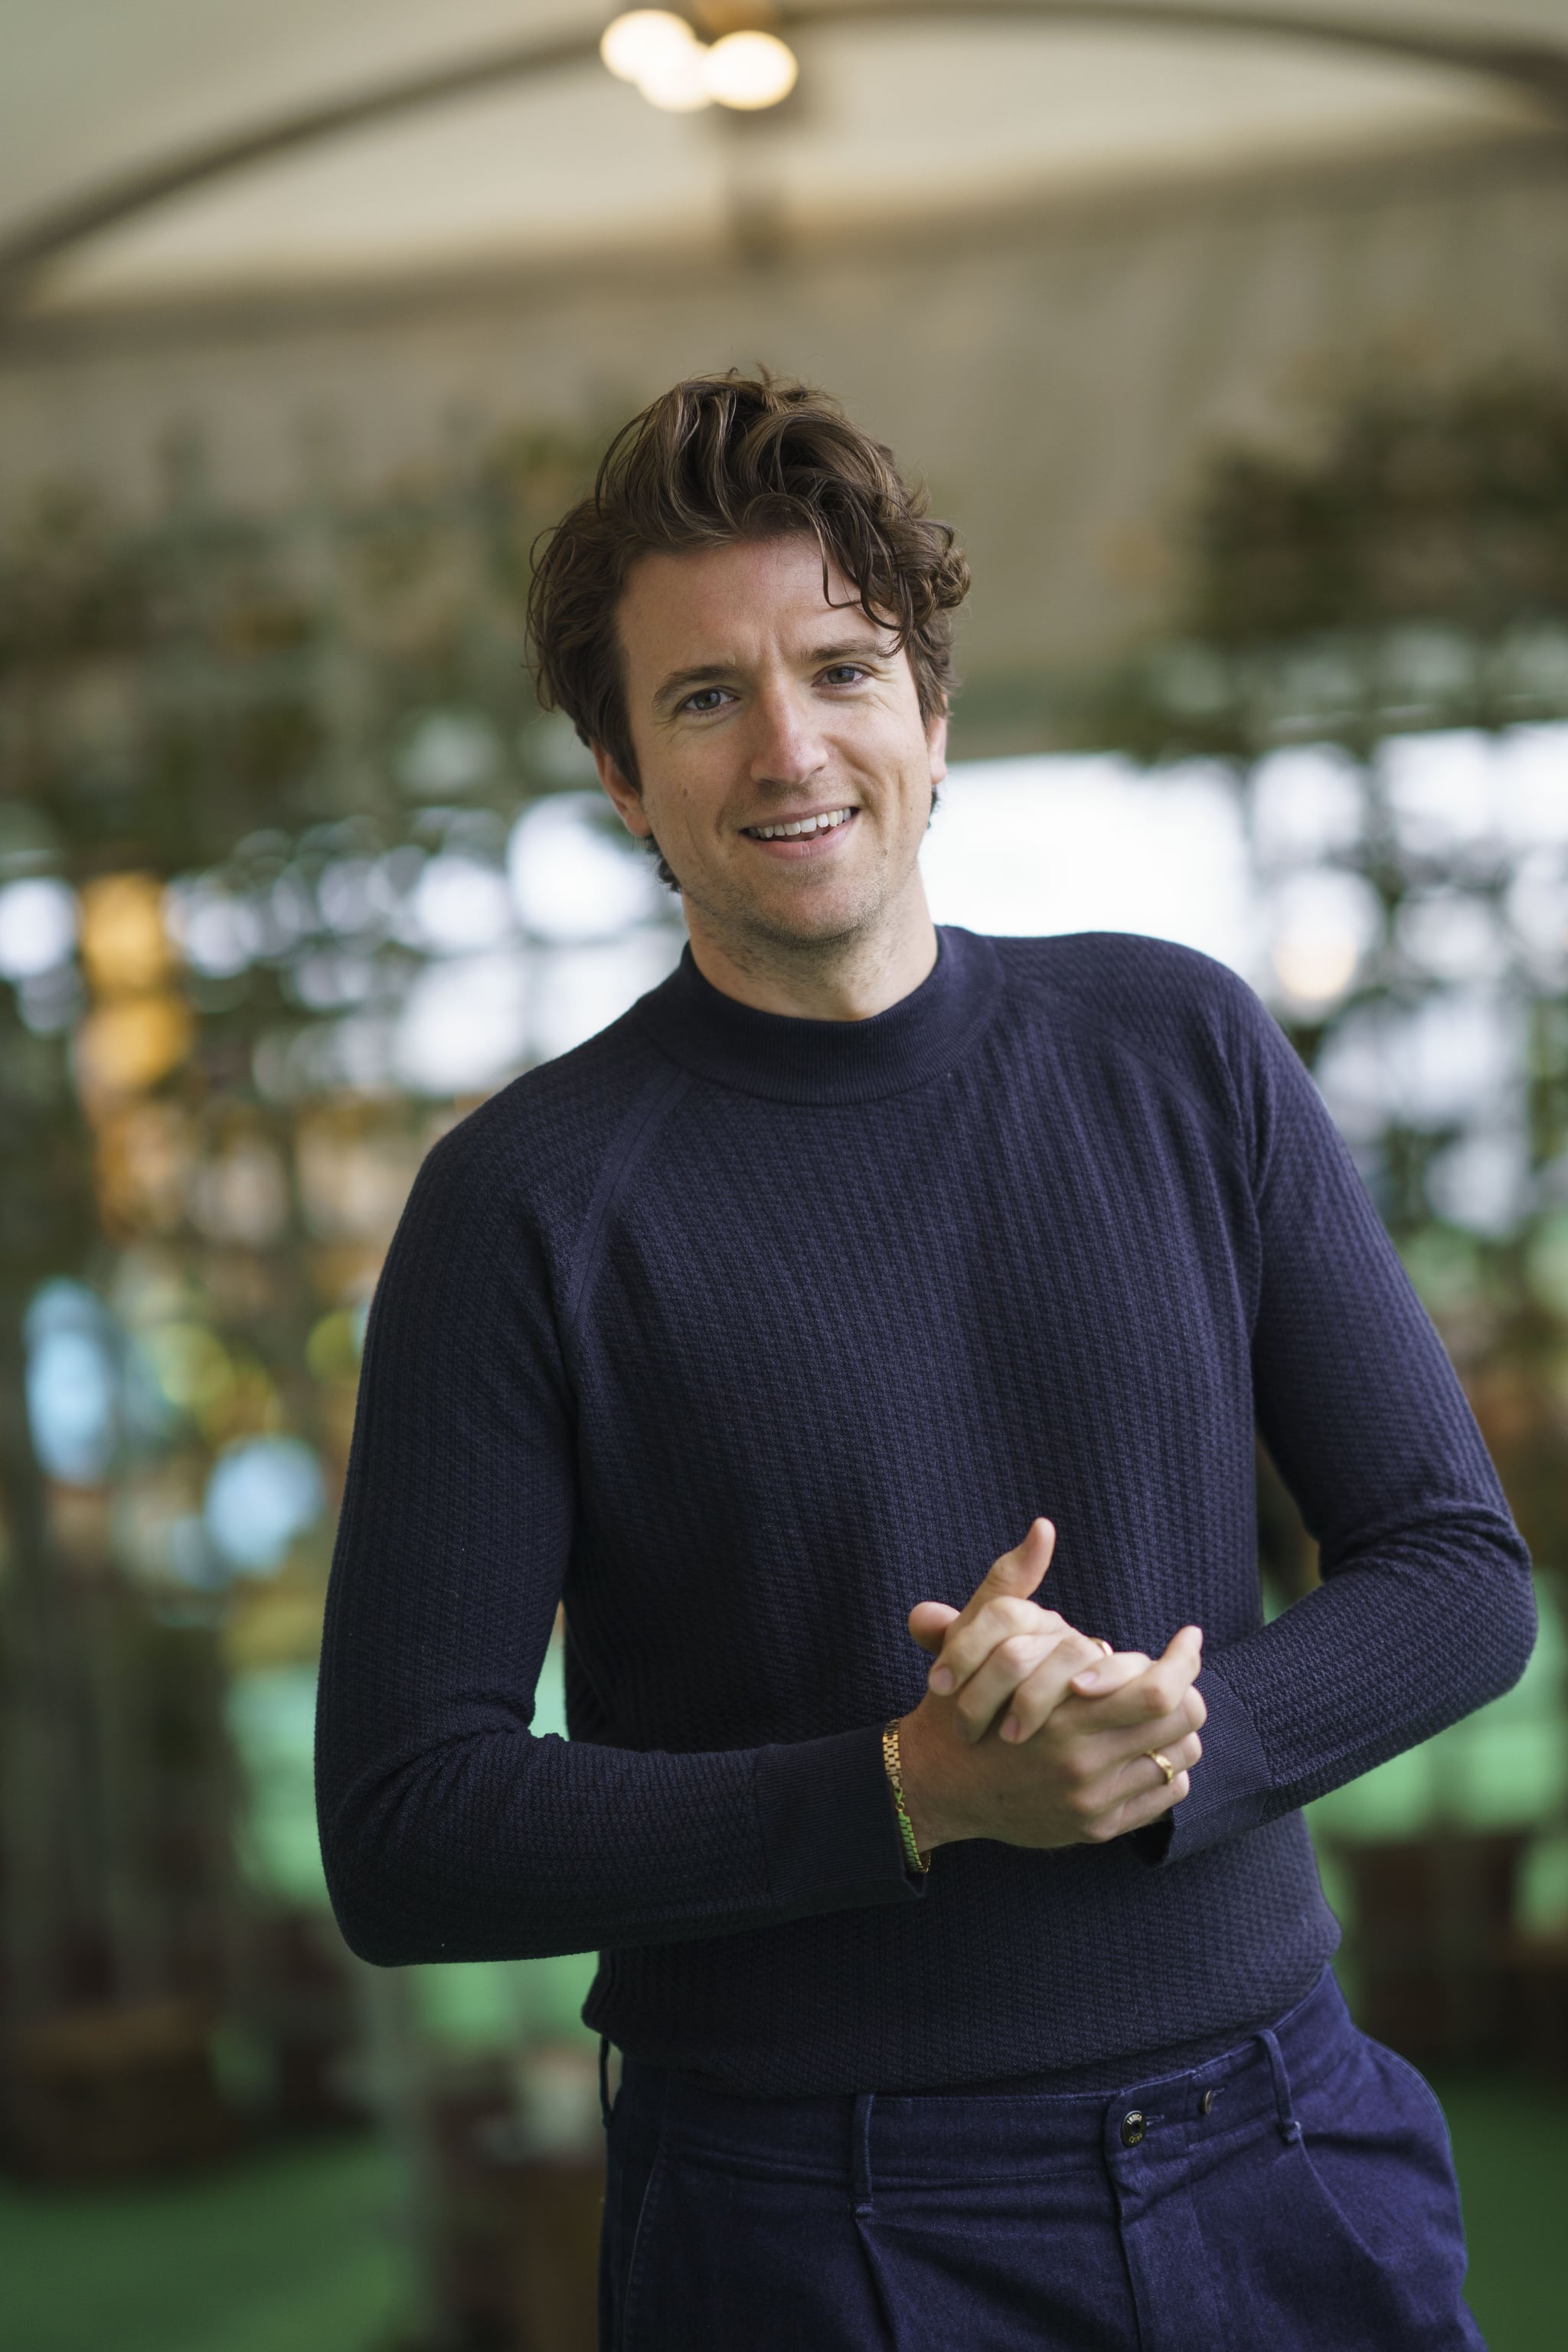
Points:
[1088,1680]
[940,1679]
[1010,1728]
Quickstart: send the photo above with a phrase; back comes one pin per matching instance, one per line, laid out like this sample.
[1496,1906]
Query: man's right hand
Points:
[1074,1767]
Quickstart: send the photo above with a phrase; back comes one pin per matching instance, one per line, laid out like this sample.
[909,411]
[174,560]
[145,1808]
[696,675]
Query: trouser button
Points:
[1205,2104]
[1132,2127]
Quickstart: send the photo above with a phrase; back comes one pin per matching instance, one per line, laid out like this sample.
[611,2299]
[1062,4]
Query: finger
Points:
[991,1686]
[1144,1774]
[1157,1691]
[1020,1570]
[1136,1812]
[1165,1734]
[1054,1656]
[1034,1699]
[1139,1792]
[1116,1746]
[1017,1573]
[1184,1754]
[972,1637]
[1110,1673]
[1136,1777]
[1177,1651]
[997,1679]
[928,1621]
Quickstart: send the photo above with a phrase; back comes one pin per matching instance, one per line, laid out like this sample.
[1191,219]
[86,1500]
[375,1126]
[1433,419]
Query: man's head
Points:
[750,621]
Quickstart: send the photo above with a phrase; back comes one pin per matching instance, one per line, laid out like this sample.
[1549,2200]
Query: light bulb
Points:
[675,82]
[637,40]
[661,53]
[749,70]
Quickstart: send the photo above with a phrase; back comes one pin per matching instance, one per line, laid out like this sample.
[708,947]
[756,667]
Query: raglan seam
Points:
[653,1105]
[1231,1142]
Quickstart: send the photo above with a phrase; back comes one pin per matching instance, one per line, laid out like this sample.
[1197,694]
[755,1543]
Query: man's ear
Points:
[936,737]
[625,796]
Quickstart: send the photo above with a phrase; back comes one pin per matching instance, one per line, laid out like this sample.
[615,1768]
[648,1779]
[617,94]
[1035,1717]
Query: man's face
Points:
[754,703]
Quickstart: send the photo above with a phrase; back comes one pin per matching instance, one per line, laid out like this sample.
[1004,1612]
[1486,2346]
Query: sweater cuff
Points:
[830,1832]
[1230,1788]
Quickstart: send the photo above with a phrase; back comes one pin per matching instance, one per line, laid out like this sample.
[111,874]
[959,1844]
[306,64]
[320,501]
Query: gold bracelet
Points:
[895,1771]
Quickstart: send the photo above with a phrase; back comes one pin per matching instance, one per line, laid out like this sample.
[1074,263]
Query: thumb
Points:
[928,1621]
[1019,1572]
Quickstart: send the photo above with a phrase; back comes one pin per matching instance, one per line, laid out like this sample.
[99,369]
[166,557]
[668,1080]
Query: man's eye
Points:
[842,674]
[706,697]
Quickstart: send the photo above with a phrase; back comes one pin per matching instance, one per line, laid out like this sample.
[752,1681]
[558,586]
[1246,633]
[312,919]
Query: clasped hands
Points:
[1029,1732]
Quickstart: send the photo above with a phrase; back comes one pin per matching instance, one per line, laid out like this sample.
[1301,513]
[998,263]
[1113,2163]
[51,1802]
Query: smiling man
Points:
[967,1958]
[793,776]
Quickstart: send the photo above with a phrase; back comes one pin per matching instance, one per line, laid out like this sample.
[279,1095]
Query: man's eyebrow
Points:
[862,648]
[682,681]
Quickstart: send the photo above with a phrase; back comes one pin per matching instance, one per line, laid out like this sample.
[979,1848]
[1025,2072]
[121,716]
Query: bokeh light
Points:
[459,905]
[749,70]
[575,876]
[261,1495]
[123,942]
[72,1383]
[661,56]
[463,1023]
[37,927]
[131,1042]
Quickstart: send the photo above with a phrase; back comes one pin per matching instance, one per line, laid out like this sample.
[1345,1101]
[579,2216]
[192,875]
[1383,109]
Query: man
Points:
[981,2002]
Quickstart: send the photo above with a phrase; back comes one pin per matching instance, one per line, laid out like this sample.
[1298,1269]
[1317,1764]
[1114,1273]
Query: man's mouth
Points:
[796,828]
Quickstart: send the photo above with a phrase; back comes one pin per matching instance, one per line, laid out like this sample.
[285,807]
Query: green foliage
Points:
[267,723]
[1410,571]
[1407,573]
[1449,510]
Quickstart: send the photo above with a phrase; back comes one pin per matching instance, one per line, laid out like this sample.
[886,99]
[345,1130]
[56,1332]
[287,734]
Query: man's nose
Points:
[786,745]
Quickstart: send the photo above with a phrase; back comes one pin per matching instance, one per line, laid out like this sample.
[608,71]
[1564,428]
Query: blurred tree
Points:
[254,768]
[1407,578]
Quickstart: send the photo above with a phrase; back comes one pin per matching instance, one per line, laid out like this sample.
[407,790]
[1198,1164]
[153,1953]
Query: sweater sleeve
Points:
[449,1829]
[1425,1609]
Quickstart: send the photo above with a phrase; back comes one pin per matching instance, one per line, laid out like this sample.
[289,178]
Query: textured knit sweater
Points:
[738,1334]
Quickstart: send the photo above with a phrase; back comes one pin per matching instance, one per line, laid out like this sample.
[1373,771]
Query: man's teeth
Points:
[801,825]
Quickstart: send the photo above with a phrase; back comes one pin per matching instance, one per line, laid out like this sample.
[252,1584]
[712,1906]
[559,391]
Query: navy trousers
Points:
[1295,2195]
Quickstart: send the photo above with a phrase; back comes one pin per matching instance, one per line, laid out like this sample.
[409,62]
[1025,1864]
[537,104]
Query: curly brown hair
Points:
[716,459]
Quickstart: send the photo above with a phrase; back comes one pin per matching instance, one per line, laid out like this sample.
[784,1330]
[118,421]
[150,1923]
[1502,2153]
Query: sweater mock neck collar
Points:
[787,1059]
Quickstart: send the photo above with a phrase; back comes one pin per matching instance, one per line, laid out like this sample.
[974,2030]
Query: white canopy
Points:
[905,111]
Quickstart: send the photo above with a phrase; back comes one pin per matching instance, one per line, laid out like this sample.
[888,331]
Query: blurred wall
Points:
[1056,376]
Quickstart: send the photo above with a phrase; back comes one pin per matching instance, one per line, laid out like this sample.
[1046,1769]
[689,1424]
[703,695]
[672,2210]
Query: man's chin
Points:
[814,922]
[795,909]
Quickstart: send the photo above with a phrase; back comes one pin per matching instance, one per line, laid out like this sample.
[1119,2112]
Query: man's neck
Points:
[839,980]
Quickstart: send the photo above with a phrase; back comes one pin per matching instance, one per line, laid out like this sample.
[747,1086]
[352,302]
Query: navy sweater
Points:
[741,1334]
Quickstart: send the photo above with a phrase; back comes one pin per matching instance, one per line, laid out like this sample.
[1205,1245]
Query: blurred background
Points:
[1233,340]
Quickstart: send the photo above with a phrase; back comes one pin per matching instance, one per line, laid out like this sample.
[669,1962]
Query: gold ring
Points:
[1100,1640]
[1164,1763]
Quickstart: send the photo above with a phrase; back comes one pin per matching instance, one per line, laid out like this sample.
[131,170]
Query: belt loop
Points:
[861,2150]
[606,2104]
[1290,2129]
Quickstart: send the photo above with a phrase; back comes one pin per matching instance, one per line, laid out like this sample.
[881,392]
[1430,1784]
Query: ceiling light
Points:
[749,70]
[635,41]
[676,82]
[661,53]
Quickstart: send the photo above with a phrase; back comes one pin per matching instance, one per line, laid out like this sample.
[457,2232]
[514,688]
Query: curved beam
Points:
[1537,69]
[122,198]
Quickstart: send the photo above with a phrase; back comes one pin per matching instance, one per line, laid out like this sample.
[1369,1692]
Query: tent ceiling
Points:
[894,119]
